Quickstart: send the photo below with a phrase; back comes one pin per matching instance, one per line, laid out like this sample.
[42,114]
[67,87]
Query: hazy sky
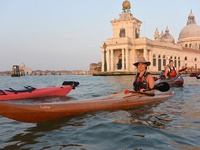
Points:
[67,34]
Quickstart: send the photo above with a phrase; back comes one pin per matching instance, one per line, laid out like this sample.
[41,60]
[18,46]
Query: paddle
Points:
[163,87]
[72,83]
[182,69]
[156,78]
[2,92]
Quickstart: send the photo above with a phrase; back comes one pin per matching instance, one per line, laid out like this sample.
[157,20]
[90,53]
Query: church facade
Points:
[123,49]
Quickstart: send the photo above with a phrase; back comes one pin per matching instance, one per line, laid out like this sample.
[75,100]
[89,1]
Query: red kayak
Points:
[31,92]
[177,81]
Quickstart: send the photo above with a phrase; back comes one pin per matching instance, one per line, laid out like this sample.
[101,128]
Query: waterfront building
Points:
[25,70]
[15,71]
[95,67]
[123,49]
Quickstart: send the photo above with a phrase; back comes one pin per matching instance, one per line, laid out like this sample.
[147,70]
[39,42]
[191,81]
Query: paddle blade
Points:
[126,91]
[72,83]
[163,86]
[183,69]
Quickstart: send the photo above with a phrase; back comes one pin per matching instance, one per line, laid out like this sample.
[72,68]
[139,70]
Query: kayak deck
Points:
[177,81]
[35,113]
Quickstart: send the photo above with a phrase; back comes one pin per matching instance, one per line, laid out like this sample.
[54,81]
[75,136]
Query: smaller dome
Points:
[167,37]
[22,66]
[126,4]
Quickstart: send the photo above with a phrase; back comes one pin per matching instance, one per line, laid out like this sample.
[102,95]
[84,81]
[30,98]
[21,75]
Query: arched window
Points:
[137,33]
[154,60]
[186,58]
[164,60]
[190,45]
[122,33]
[175,63]
[195,59]
[119,64]
[159,63]
[199,46]
[179,62]
[170,58]
[186,45]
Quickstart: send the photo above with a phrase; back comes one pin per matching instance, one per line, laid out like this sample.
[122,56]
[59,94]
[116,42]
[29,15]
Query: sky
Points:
[68,35]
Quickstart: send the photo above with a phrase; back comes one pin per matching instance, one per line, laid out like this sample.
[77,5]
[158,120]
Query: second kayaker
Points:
[143,80]
[170,70]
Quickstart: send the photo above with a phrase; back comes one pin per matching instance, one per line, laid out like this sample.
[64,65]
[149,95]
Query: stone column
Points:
[108,59]
[112,60]
[145,53]
[150,59]
[123,59]
[127,59]
[102,66]
[134,57]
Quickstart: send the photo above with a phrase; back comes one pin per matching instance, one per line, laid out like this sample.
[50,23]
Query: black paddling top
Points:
[141,82]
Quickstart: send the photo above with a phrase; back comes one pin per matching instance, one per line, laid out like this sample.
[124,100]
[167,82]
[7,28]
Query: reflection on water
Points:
[173,124]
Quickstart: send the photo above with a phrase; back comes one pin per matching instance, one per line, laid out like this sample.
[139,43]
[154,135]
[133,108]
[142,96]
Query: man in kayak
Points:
[170,70]
[144,81]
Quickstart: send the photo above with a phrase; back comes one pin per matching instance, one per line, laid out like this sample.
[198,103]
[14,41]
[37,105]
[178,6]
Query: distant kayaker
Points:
[170,70]
[162,73]
[143,79]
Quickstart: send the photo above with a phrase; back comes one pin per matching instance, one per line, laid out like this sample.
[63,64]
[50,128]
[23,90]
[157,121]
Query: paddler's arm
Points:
[166,72]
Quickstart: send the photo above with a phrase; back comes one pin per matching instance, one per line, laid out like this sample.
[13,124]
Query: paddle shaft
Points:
[142,93]
[163,87]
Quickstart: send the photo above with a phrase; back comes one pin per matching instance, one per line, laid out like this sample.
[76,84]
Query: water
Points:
[173,124]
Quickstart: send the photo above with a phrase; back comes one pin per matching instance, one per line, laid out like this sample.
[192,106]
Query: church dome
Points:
[22,66]
[191,29]
[167,37]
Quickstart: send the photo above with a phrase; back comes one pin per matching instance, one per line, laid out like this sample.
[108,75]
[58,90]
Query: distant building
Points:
[123,49]
[95,67]
[15,71]
[24,70]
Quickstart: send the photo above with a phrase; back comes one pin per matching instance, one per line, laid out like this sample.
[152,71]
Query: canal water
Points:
[172,124]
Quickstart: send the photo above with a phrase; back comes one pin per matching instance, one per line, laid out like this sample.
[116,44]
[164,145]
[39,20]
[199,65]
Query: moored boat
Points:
[193,74]
[31,92]
[40,112]
[198,77]
[177,81]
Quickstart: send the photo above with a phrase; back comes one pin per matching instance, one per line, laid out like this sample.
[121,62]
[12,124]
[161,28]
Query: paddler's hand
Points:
[142,90]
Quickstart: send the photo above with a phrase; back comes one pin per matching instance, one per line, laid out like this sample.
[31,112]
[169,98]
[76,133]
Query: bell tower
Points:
[126,25]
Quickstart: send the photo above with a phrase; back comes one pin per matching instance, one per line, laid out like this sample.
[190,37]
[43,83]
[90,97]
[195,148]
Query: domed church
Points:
[123,49]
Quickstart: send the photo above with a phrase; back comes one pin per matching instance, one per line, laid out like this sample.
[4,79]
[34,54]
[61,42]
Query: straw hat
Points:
[142,60]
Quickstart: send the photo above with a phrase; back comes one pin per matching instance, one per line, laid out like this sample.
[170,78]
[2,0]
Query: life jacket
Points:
[140,82]
[172,72]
